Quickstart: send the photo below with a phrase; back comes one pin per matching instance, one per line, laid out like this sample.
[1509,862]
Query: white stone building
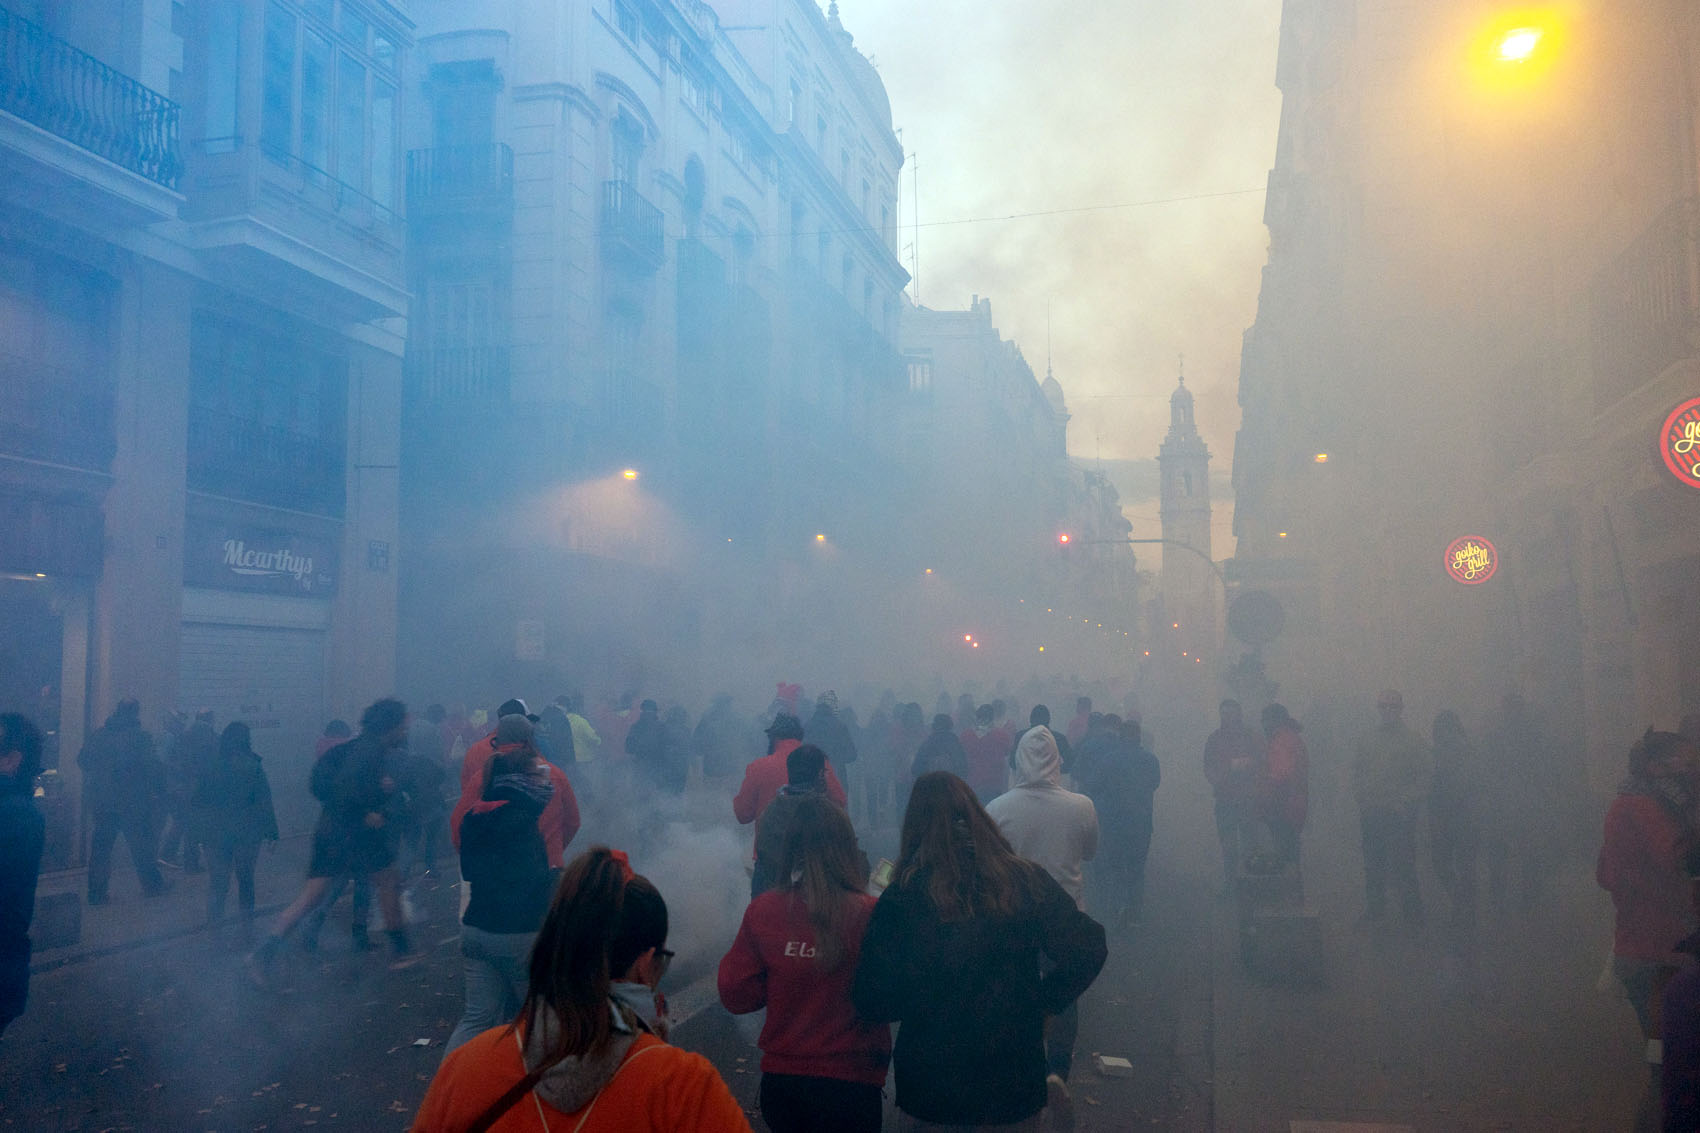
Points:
[204,311]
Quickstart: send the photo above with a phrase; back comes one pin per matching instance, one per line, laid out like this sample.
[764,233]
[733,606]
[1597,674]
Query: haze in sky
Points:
[1016,106]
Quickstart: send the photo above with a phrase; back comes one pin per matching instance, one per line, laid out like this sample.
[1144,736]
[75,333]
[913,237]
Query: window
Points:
[868,299]
[383,143]
[793,103]
[867,199]
[315,101]
[318,106]
[885,223]
[692,91]
[820,133]
[825,253]
[277,115]
[626,19]
[849,270]
[844,169]
[920,375]
[224,47]
[351,122]
[627,148]
[797,217]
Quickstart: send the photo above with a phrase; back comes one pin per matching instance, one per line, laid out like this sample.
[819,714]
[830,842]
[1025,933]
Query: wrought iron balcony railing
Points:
[239,457]
[47,82]
[54,414]
[460,176]
[632,226]
[461,374]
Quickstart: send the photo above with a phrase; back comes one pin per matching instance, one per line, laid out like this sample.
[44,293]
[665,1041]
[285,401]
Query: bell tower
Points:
[1188,581]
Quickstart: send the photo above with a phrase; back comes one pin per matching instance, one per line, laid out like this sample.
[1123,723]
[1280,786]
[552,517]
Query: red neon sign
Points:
[1679,442]
[1471,560]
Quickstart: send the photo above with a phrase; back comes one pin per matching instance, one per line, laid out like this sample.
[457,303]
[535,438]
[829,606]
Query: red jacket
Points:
[988,761]
[811,1027]
[1285,789]
[764,777]
[1640,865]
[558,823]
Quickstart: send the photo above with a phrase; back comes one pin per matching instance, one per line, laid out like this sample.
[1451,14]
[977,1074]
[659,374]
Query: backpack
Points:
[325,771]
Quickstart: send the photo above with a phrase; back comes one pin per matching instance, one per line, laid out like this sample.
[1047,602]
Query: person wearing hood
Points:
[940,751]
[587,1052]
[1058,829]
[560,819]
[23,833]
[764,777]
[506,867]
[1040,717]
[236,800]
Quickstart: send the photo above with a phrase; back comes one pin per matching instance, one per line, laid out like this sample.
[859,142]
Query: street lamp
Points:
[629,474]
[1520,44]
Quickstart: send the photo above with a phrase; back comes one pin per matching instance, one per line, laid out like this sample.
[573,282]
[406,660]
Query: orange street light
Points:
[630,474]
[1519,44]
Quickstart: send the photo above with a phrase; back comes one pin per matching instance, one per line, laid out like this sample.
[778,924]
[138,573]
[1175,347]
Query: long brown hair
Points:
[820,865]
[949,840]
[601,920]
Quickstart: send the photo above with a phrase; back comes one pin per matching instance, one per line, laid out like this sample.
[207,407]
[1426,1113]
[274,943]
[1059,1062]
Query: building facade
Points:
[985,446]
[205,310]
[1476,318]
[654,341]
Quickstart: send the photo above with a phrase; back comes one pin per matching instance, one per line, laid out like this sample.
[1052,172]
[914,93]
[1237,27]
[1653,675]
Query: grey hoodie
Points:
[571,1083]
[1044,822]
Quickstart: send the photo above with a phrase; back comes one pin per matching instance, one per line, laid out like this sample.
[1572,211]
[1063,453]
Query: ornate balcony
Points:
[50,84]
[52,414]
[459,178]
[633,230]
[460,374]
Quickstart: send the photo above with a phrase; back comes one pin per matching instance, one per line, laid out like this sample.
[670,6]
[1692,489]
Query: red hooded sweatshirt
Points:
[811,1028]
[764,777]
[559,821]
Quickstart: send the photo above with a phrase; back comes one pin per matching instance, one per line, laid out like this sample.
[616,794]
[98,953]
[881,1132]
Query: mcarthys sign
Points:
[1679,442]
[265,560]
[1471,560]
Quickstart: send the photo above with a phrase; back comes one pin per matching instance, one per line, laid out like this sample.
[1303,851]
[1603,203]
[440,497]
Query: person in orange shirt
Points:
[559,821]
[586,1052]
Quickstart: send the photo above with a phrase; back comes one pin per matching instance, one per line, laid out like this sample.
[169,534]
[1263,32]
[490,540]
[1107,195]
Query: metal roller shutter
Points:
[273,680]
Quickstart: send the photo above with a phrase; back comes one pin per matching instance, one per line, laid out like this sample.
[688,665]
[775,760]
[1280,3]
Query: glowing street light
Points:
[1063,538]
[629,474]
[1320,458]
[1519,45]
[820,537]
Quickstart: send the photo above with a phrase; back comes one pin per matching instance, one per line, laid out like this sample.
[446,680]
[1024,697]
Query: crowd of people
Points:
[977,938]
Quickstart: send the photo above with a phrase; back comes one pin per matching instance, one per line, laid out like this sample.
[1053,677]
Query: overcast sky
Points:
[1017,106]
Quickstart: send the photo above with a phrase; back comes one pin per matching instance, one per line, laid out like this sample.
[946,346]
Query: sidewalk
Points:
[129,920]
[1403,1038]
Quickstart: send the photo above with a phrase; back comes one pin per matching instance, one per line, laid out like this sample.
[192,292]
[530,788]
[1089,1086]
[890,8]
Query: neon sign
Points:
[1679,442]
[1471,560]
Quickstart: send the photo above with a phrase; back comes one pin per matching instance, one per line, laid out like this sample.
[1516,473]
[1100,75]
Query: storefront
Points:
[257,608]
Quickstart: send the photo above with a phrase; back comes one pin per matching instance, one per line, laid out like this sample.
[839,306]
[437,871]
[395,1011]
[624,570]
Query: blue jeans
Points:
[497,966]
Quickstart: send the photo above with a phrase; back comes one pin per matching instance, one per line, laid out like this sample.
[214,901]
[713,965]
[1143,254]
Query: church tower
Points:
[1188,582]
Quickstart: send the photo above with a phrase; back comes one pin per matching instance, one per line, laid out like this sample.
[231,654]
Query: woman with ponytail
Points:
[584,1055]
[970,949]
[795,954]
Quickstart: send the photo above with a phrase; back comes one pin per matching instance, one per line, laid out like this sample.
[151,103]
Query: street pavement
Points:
[151,1024]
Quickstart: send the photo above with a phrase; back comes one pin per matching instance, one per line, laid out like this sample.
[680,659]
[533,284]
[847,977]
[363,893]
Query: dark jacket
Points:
[646,743]
[940,751]
[356,790]
[121,774]
[1121,781]
[22,832]
[503,859]
[235,799]
[827,730]
[971,999]
[557,733]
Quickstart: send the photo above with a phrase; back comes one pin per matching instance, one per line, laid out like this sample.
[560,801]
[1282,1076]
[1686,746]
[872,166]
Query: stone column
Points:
[139,599]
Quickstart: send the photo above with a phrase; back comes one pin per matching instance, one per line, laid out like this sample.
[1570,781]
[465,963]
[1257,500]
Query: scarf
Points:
[531,785]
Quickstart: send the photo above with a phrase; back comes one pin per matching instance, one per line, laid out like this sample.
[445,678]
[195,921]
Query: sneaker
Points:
[1058,1103]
